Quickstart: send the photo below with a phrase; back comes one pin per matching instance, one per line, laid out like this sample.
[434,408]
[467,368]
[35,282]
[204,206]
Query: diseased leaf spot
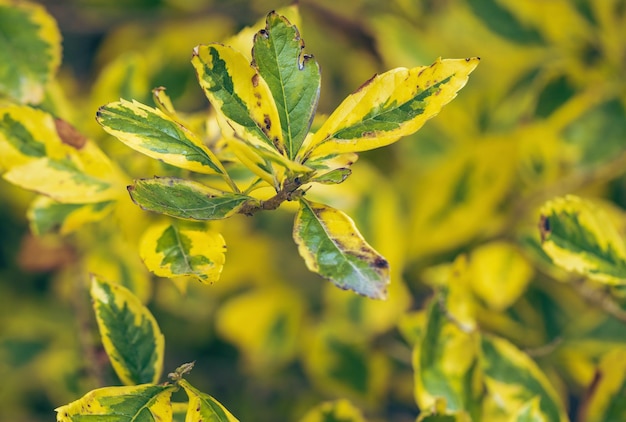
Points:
[255,83]
[267,122]
[381,263]
[544,227]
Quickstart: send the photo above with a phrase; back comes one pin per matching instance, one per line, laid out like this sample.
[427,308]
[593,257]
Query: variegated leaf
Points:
[203,407]
[47,215]
[172,250]
[334,411]
[388,107]
[579,237]
[292,77]
[30,50]
[185,199]
[331,246]
[605,401]
[147,402]
[129,332]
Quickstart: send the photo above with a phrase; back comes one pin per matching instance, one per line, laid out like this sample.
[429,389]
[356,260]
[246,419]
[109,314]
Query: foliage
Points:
[496,233]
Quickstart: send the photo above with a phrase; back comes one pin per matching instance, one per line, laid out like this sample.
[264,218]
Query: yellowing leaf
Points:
[499,274]
[47,215]
[30,50]
[334,411]
[606,400]
[129,332]
[388,107]
[62,181]
[170,250]
[513,379]
[154,133]
[579,237]
[145,402]
[204,408]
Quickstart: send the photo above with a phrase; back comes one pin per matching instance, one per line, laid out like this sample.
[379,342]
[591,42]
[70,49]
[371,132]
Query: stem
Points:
[290,191]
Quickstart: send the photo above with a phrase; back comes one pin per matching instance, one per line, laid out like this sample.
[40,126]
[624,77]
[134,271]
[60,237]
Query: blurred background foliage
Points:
[543,115]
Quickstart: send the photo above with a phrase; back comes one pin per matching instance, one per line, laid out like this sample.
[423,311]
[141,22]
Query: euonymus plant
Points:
[265,110]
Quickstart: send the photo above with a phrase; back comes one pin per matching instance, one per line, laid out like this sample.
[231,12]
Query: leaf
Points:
[606,399]
[333,177]
[331,246]
[579,237]
[154,133]
[61,180]
[334,411]
[47,215]
[292,77]
[530,412]
[185,199]
[170,250]
[388,107]
[514,378]
[145,402]
[203,407]
[30,50]
[129,332]
[503,22]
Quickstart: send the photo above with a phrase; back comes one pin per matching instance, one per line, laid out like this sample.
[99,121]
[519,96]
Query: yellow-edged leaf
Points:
[204,408]
[388,107]
[334,411]
[129,332]
[146,402]
[579,237]
[606,401]
[173,250]
[47,215]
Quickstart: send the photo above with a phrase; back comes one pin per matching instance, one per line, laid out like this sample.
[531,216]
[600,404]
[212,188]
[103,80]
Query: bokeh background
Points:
[543,115]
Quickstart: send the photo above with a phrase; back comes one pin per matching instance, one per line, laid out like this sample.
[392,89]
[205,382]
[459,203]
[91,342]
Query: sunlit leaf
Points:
[30,50]
[515,379]
[606,401]
[203,407]
[334,411]
[145,402]
[292,77]
[62,181]
[47,215]
[185,199]
[333,177]
[579,237]
[171,250]
[388,107]
[154,133]
[331,246]
[129,332]
[530,412]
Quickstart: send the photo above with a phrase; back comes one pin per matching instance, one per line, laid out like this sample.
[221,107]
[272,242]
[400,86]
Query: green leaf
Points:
[61,180]
[293,78]
[334,411]
[331,246]
[30,51]
[388,107]
[579,237]
[171,251]
[185,199]
[515,379]
[47,215]
[129,332]
[154,133]
[503,22]
[203,407]
[121,404]
[606,399]
[333,177]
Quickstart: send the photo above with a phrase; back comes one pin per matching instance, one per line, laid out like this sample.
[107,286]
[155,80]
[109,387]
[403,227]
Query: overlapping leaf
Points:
[171,250]
[203,407]
[30,50]
[185,199]
[145,402]
[606,400]
[292,77]
[47,215]
[129,332]
[579,237]
[389,106]
[334,411]
[331,246]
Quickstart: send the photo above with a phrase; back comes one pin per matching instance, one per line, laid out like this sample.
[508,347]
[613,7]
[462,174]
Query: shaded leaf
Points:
[129,332]
[203,407]
[47,215]
[579,237]
[333,177]
[334,411]
[503,22]
[292,77]
[185,199]
[170,250]
[388,107]
[154,133]
[30,51]
[121,404]
[331,246]
[606,401]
